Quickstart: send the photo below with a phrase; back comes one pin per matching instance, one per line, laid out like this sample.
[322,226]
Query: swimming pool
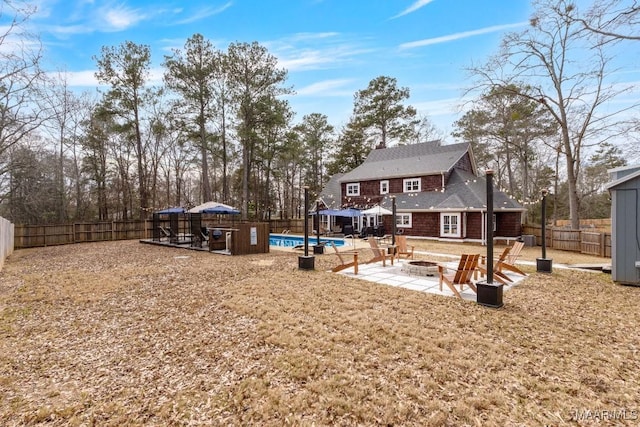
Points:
[289,241]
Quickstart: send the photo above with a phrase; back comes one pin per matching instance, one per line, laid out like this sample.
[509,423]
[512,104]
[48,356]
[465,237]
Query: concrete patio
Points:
[393,275]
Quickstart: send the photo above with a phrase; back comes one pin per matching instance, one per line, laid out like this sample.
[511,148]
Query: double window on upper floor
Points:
[353,189]
[411,185]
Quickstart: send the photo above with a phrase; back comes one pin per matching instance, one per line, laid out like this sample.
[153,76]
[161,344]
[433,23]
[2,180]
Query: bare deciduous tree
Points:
[20,79]
[612,19]
[567,74]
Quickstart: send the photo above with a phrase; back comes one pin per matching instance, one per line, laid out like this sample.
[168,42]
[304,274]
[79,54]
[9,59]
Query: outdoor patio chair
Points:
[403,249]
[379,254]
[345,263]
[514,254]
[462,276]
[505,263]
[498,274]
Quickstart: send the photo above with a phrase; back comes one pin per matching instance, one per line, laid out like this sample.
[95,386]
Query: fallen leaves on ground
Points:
[123,333]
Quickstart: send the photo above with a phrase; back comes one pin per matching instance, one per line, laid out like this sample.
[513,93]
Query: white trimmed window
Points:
[353,189]
[411,185]
[384,187]
[449,225]
[403,220]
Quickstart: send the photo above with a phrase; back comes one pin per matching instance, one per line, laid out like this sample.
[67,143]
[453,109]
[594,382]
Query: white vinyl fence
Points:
[6,240]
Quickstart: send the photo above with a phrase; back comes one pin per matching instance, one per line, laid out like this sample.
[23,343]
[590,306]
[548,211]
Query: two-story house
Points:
[436,188]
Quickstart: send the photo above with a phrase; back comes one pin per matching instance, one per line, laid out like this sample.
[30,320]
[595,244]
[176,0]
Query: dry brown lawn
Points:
[124,333]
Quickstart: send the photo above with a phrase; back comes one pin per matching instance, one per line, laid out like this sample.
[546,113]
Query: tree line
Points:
[220,126]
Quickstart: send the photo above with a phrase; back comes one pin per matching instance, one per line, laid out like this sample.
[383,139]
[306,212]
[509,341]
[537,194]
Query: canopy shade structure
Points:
[332,212]
[175,210]
[350,212]
[210,205]
[221,210]
[377,210]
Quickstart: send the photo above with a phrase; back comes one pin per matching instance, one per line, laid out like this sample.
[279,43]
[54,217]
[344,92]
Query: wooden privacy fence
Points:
[295,226]
[586,242]
[32,236]
[7,231]
[602,225]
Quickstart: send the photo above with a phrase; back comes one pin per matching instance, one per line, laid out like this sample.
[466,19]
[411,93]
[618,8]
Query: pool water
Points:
[288,241]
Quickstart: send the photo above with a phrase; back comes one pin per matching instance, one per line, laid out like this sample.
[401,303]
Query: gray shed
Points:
[625,224]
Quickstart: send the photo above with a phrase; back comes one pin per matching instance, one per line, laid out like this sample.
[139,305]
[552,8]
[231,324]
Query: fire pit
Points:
[420,268]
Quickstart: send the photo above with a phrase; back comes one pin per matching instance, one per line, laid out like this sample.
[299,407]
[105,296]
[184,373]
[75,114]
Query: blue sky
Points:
[331,48]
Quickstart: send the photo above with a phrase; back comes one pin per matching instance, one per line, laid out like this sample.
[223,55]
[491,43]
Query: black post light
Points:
[306,262]
[544,264]
[318,248]
[393,221]
[489,294]
[490,224]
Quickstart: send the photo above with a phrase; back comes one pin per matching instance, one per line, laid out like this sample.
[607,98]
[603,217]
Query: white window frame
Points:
[384,186]
[352,189]
[404,220]
[447,226]
[409,184]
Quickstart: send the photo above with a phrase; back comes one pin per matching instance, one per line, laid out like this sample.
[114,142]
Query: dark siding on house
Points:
[424,224]
[370,190]
[508,224]
[395,185]
[369,194]
[464,163]
[474,225]
[427,224]
[431,182]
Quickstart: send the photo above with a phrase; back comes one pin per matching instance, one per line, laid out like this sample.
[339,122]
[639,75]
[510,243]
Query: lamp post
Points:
[393,221]
[318,248]
[544,264]
[489,174]
[306,262]
[489,294]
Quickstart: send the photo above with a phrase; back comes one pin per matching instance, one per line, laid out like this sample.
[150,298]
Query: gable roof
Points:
[464,192]
[426,158]
[622,176]
[331,193]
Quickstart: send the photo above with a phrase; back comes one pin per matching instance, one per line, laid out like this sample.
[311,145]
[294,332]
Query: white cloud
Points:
[461,35]
[415,6]
[120,17]
[440,107]
[314,51]
[438,86]
[155,76]
[87,78]
[306,60]
[312,36]
[66,30]
[205,13]
[333,87]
